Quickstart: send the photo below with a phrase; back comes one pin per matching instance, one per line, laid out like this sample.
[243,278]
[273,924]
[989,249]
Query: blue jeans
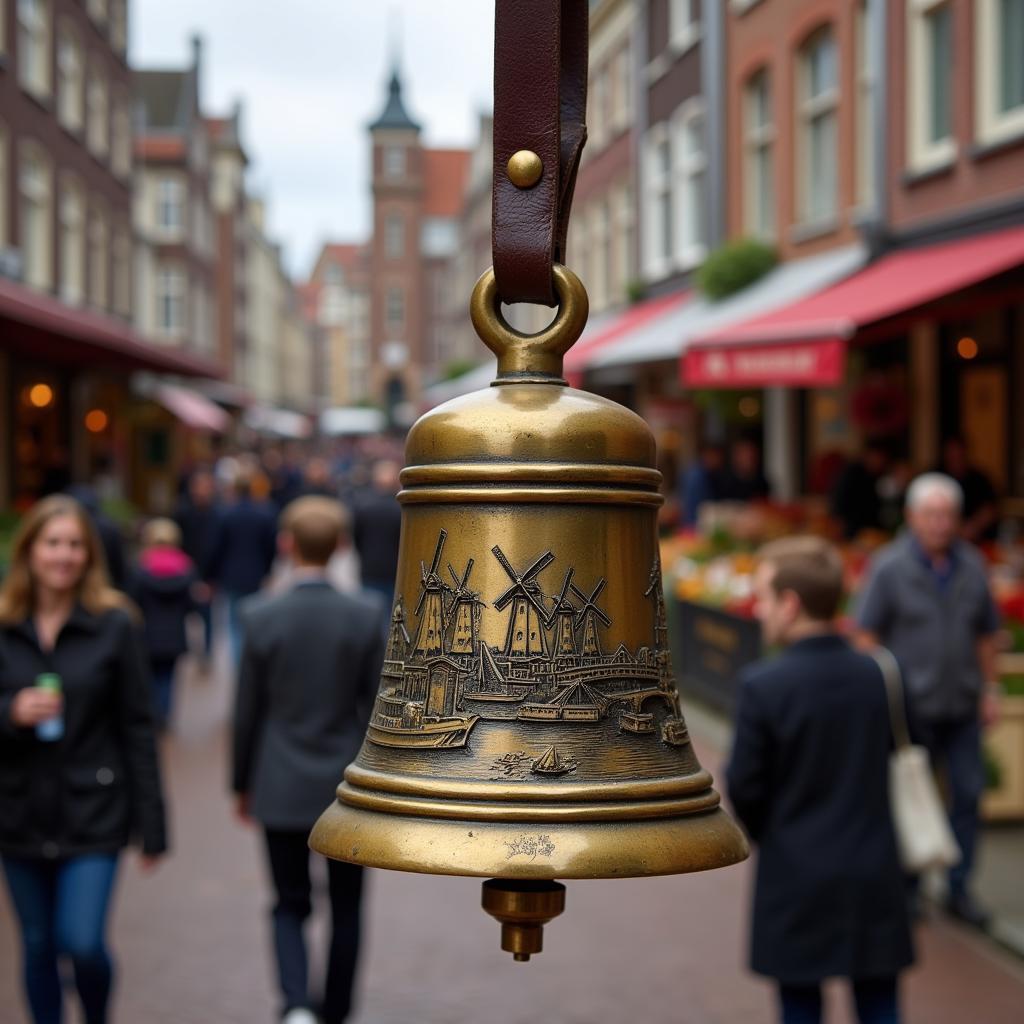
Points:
[876,1000]
[62,909]
[955,749]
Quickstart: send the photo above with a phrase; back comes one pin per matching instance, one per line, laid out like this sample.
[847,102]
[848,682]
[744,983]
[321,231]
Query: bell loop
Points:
[534,358]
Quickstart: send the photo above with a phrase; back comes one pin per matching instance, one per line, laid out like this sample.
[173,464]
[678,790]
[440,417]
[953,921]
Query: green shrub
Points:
[734,266]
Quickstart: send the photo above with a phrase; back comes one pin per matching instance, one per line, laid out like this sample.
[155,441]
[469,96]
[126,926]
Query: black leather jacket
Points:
[97,788]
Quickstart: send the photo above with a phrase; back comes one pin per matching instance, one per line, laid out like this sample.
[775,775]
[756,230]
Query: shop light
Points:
[966,348]
[749,407]
[40,395]
[96,421]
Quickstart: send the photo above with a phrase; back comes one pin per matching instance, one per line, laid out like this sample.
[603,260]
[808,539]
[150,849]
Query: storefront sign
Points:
[713,648]
[794,364]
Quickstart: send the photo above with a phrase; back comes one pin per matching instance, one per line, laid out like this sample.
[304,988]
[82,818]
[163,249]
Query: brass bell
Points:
[528,726]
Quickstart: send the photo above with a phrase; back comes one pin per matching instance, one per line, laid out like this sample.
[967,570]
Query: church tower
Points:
[396,298]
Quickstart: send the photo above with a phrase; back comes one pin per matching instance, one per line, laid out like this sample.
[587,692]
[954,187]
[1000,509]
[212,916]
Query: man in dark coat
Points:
[808,778]
[310,668]
[376,529]
[243,550]
[197,516]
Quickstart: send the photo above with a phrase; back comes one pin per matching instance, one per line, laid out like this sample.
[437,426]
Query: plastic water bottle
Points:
[50,730]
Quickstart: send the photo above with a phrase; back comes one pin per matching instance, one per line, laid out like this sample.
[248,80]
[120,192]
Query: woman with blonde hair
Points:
[79,777]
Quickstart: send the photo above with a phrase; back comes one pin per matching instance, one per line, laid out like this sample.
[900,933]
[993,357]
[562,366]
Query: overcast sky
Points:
[312,74]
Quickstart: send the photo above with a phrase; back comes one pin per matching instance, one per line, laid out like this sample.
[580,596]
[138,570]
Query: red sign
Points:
[798,364]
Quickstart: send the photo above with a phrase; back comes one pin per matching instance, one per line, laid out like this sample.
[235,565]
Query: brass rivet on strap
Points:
[525,168]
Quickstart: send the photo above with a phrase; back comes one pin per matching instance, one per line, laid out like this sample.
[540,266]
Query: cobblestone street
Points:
[192,939]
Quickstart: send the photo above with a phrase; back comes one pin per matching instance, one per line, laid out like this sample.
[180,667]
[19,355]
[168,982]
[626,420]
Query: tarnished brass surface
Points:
[524,168]
[528,724]
[523,908]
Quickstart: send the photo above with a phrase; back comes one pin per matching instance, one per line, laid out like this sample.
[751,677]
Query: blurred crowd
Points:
[296,553]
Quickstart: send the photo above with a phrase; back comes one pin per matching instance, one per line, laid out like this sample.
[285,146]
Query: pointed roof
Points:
[394,114]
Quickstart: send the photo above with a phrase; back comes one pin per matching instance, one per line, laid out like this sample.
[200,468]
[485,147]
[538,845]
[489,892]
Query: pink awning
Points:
[192,408]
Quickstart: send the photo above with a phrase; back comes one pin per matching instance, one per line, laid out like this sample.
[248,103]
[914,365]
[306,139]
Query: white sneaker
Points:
[300,1015]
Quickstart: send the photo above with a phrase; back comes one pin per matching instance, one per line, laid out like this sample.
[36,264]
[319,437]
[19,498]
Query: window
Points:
[4,185]
[395,309]
[600,254]
[394,161]
[34,46]
[170,301]
[99,258]
[121,146]
[683,27]
[817,158]
[625,240]
[691,167]
[621,91]
[930,84]
[597,120]
[999,69]
[123,272]
[865,157]
[98,128]
[70,80]
[658,203]
[394,236]
[72,243]
[333,274]
[170,205]
[759,161]
[36,207]
[119,25]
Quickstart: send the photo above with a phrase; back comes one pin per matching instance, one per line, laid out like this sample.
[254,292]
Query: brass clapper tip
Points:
[523,907]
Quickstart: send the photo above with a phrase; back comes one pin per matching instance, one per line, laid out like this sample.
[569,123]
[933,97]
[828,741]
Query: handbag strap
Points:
[540,101]
[893,679]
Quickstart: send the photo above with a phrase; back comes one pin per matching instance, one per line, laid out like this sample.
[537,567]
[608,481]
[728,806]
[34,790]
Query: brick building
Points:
[173,212]
[67,343]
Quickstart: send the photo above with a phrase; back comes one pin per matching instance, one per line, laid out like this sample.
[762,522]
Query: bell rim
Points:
[624,792]
[519,850]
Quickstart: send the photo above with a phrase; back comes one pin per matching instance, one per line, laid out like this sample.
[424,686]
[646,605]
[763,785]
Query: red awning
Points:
[895,284]
[42,326]
[628,321]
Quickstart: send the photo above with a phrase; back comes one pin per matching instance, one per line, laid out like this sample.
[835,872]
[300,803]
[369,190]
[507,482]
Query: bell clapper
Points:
[523,907]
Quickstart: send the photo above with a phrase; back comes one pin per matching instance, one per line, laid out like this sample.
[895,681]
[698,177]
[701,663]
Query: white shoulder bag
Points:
[923,833]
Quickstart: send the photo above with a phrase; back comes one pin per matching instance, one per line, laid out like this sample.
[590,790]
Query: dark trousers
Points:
[875,999]
[204,609]
[62,910]
[162,675]
[288,856]
[955,750]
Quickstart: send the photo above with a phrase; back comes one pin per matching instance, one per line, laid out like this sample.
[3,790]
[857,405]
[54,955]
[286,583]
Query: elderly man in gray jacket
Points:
[310,667]
[927,599]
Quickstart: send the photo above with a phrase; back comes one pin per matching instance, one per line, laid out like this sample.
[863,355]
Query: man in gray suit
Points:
[310,667]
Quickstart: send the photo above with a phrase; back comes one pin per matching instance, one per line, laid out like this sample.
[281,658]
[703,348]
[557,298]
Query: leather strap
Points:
[540,103]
